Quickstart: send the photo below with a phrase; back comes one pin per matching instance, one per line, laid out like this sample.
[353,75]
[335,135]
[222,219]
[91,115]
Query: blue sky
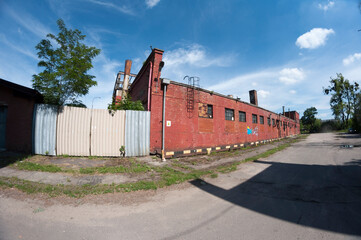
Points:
[286,49]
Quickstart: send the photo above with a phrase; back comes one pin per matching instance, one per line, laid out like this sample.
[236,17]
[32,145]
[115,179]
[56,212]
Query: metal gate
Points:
[3,113]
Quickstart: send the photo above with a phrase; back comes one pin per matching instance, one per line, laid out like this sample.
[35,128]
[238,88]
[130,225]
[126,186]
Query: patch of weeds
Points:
[135,167]
[30,166]
[214,175]
[89,170]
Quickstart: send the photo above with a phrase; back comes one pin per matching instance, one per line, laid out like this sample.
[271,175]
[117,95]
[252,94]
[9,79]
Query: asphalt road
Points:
[311,190]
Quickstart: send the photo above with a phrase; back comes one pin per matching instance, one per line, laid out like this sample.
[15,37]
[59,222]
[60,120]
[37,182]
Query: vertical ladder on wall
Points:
[193,83]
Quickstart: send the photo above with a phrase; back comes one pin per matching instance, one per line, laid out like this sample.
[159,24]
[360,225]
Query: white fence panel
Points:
[107,132]
[73,131]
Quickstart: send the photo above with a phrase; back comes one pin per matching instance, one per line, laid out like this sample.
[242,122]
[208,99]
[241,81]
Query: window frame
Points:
[227,115]
[239,116]
[261,119]
[269,121]
[209,115]
[254,120]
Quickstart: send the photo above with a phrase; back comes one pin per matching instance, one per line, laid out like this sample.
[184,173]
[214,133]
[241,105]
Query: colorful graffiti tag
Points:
[252,132]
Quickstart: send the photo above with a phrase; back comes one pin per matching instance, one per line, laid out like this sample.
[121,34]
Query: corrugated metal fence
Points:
[90,132]
[44,129]
[137,133]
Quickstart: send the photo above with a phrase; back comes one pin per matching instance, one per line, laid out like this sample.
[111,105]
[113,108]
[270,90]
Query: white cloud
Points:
[350,59]
[151,3]
[315,38]
[291,75]
[293,91]
[263,93]
[122,9]
[327,6]
[243,80]
[194,55]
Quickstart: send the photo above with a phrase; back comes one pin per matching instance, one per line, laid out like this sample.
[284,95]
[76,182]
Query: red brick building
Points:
[16,109]
[206,121]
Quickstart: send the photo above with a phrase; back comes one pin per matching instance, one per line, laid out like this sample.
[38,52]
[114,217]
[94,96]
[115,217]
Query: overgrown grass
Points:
[135,167]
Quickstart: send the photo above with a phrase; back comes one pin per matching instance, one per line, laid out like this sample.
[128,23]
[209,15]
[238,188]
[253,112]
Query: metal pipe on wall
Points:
[165,83]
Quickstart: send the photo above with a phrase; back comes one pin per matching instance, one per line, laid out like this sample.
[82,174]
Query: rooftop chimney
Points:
[253,97]
[128,65]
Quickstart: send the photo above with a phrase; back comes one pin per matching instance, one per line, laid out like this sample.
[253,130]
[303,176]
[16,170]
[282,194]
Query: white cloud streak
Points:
[28,22]
[315,38]
[263,93]
[291,75]
[122,9]
[351,58]
[194,55]
[326,7]
[243,80]
[151,3]
[22,50]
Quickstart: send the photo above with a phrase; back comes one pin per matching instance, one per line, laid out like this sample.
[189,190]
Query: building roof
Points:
[25,91]
[224,96]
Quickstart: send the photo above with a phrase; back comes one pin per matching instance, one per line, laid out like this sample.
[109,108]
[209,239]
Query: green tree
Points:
[308,119]
[343,98]
[356,121]
[126,104]
[65,77]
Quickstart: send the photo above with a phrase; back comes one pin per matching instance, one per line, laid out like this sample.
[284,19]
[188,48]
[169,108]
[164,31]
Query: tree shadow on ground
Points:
[7,158]
[325,197]
[348,135]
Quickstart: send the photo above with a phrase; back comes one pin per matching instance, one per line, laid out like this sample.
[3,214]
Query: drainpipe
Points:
[165,83]
[149,83]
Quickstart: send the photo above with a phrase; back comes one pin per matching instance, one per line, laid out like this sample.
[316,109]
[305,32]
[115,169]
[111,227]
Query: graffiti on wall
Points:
[251,131]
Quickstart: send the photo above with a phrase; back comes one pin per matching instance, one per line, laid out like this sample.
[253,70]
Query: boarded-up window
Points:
[205,110]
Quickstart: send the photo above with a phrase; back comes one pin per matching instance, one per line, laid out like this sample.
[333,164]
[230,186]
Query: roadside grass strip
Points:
[168,175]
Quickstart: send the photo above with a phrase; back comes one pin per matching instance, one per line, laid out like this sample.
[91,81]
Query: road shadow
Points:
[317,196]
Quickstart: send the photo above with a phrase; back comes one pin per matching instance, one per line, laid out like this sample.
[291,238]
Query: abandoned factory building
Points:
[186,119]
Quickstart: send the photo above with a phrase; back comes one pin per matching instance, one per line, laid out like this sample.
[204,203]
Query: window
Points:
[205,110]
[229,114]
[210,111]
[261,119]
[254,118]
[273,122]
[242,116]
[269,121]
